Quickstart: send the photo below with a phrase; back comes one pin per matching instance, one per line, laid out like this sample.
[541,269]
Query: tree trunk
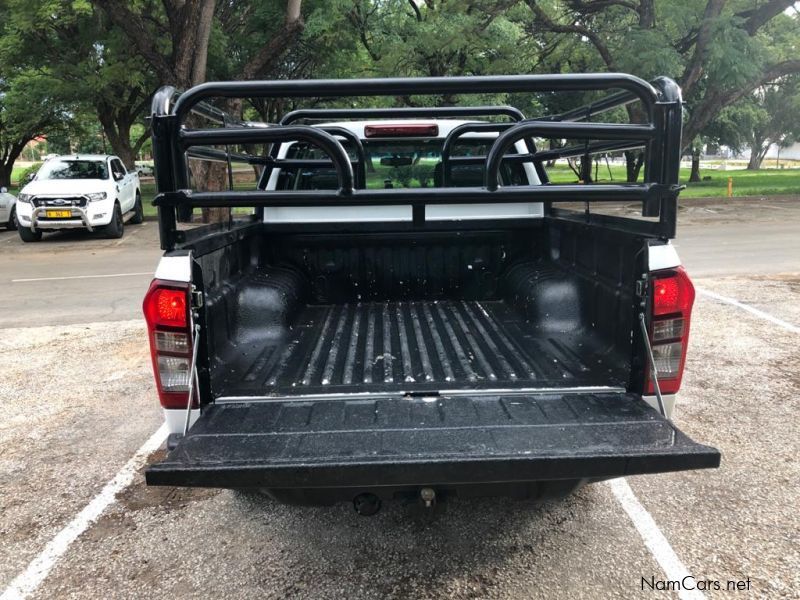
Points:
[755,159]
[5,174]
[758,150]
[633,165]
[121,146]
[694,177]
[586,169]
[8,156]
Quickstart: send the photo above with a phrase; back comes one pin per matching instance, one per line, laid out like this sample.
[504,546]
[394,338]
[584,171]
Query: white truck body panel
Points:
[175,268]
[440,212]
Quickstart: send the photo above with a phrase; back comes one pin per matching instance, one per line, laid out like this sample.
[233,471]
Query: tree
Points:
[174,37]
[27,111]
[186,26]
[409,38]
[95,69]
[719,50]
[765,118]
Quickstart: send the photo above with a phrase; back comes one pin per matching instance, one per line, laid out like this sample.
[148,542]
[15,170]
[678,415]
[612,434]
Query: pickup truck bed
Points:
[332,372]
[351,314]
[411,346]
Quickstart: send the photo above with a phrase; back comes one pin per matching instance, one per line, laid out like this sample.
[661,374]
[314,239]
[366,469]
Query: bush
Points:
[27,173]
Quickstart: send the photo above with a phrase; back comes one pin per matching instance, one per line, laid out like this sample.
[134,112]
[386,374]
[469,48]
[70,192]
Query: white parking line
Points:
[38,569]
[759,313]
[655,541]
[81,277]
[652,536]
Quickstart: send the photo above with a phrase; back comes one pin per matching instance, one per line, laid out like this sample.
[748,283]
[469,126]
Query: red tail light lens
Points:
[673,294]
[673,298]
[405,130]
[166,306]
[166,310]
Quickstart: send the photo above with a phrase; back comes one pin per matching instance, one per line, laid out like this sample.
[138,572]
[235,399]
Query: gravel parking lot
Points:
[79,401]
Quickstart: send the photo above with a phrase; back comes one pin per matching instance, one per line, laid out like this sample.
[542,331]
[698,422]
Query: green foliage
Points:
[766,117]
[27,173]
[65,66]
[89,67]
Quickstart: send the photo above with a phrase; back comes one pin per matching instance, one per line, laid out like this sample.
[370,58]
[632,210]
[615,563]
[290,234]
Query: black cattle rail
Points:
[174,143]
[422,112]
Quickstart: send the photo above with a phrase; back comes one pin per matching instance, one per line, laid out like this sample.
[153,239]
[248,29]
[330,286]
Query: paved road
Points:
[727,238]
[735,238]
[70,273]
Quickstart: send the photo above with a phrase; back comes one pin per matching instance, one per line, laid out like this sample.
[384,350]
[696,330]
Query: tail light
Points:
[673,297]
[166,310]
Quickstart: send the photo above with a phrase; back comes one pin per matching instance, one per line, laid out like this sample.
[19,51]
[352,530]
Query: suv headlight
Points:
[24,198]
[96,196]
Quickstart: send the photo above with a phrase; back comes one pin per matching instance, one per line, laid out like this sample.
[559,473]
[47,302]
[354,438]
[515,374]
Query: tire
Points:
[12,219]
[138,211]
[26,235]
[116,227]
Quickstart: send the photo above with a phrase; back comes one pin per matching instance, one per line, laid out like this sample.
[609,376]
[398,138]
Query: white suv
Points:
[82,191]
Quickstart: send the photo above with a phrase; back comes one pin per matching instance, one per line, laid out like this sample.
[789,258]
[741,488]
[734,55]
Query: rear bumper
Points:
[442,441]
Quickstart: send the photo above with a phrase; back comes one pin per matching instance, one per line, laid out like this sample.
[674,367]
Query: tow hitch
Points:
[367,504]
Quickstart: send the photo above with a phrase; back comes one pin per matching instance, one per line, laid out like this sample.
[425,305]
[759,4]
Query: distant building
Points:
[789,153]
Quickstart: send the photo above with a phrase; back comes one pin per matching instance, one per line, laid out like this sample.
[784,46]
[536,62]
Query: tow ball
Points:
[428,498]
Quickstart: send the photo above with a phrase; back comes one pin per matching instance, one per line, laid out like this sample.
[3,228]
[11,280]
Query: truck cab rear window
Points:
[399,164]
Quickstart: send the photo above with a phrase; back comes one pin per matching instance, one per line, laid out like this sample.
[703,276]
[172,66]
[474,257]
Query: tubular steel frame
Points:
[661,102]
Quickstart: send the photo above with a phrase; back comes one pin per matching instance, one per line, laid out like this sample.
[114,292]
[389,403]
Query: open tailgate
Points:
[439,440]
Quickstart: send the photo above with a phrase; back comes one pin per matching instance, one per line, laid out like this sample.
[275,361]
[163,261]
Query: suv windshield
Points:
[73,169]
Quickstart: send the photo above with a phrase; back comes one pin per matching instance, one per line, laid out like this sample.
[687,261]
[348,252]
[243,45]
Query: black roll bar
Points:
[420,196]
[313,135]
[435,112]
[457,132]
[661,103]
[331,88]
[556,130]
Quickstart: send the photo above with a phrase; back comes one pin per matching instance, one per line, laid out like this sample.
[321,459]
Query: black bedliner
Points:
[414,346]
[441,440]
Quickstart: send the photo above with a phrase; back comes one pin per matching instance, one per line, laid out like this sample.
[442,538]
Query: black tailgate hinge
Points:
[197,297]
[641,288]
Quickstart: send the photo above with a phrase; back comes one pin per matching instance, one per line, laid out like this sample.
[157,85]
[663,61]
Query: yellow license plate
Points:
[59,214]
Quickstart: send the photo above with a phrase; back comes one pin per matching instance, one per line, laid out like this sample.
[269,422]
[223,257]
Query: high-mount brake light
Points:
[673,297]
[166,310]
[405,130]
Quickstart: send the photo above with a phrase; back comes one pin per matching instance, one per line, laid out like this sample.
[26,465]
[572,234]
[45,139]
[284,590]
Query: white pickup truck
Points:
[85,191]
[412,310]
